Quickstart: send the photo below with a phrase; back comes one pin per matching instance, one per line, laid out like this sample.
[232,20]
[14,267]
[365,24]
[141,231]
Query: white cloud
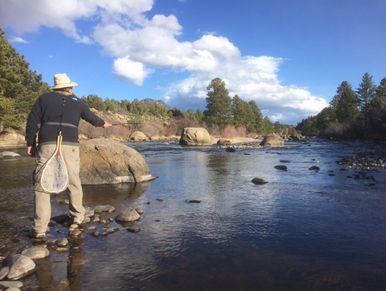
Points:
[130,70]
[140,43]
[17,39]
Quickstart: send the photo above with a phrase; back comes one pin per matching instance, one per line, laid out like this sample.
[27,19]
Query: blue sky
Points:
[288,56]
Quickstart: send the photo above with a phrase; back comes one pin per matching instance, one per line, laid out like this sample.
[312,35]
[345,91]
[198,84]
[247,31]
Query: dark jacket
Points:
[55,111]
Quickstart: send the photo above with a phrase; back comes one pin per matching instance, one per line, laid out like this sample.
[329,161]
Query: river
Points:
[303,230]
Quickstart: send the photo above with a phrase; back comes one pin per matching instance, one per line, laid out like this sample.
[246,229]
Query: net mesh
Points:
[54,176]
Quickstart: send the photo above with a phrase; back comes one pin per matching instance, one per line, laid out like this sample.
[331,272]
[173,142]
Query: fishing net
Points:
[54,177]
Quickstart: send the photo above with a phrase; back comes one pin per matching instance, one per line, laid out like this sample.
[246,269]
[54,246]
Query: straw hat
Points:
[63,81]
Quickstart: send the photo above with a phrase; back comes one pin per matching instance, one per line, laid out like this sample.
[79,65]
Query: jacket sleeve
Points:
[33,121]
[91,117]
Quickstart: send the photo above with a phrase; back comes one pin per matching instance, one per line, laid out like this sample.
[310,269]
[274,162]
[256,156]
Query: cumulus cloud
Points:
[130,70]
[140,44]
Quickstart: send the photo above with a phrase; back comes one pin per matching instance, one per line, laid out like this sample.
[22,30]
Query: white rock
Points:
[3,272]
[11,284]
[36,252]
[8,154]
[19,266]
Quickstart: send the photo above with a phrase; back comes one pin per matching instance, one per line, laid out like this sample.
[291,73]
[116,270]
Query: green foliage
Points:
[343,118]
[94,101]
[218,104]
[346,105]
[17,83]
[366,90]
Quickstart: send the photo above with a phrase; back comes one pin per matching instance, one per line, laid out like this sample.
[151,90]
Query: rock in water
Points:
[9,155]
[272,140]
[3,272]
[128,216]
[36,252]
[105,161]
[281,167]
[138,136]
[195,136]
[104,208]
[11,284]
[19,266]
[259,181]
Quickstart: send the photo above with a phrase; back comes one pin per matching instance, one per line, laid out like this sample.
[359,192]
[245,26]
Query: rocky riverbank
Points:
[365,161]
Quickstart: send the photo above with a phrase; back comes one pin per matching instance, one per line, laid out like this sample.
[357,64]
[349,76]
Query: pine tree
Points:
[218,104]
[345,103]
[366,90]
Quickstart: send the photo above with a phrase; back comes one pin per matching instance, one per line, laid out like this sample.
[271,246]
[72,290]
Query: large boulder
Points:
[105,161]
[195,136]
[10,139]
[272,140]
[138,136]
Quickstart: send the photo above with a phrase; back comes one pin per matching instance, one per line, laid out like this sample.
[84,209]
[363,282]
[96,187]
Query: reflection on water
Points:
[304,230]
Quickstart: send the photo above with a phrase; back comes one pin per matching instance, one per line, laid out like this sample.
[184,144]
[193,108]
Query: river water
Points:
[303,230]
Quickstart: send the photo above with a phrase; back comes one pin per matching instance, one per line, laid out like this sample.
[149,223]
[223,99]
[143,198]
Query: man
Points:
[59,110]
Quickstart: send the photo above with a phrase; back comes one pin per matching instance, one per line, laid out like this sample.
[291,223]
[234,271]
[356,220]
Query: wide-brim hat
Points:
[63,81]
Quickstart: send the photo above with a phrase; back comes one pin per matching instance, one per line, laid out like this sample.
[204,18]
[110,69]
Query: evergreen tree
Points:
[366,90]
[346,103]
[19,86]
[256,118]
[240,111]
[218,104]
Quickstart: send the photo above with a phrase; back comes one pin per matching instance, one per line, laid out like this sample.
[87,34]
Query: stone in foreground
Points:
[105,161]
[36,252]
[19,266]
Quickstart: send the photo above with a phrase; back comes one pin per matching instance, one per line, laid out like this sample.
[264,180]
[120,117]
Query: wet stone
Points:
[133,229]
[159,199]
[3,272]
[76,232]
[11,284]
[192,201]
[96,233]
[258,181]
[19,266]
[140,210]
[73,227]
[314,168]
[285,161]
[281,167]
[128,216]
[63,242]
[104,208]
[36,252]
[61,249]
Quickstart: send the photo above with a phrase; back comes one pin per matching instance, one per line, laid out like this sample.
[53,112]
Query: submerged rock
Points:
[19,266]
[104,208]
[281,167]
[36,252]
[105,161]
[133,229]
[314,168]
[258,181]
[128,216]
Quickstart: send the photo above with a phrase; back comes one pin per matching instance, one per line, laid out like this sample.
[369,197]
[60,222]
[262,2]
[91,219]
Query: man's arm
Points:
[32,126]
[92,118]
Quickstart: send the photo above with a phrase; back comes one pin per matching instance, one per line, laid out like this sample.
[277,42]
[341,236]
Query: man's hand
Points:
[107,124]
[30,151]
